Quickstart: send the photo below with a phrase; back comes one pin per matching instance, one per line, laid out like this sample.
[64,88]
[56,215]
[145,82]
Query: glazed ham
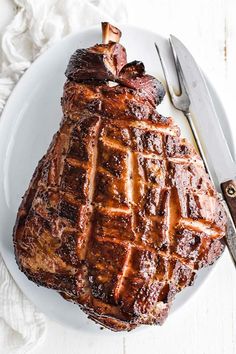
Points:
[120,213]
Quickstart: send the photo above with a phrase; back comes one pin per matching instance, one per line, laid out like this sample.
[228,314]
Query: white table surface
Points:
[207,323]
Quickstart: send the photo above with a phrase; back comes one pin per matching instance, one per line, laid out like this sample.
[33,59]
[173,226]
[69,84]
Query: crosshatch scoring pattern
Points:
[128,214]
[120,212]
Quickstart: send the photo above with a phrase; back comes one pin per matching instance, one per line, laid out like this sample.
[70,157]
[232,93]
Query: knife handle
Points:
[229,193]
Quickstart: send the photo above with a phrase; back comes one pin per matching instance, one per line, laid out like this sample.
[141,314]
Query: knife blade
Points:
[221,165]
[204,116]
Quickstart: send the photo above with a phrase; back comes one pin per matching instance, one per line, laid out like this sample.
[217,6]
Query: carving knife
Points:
[220,163]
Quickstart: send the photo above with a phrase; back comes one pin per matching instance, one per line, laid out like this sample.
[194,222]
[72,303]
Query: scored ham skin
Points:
[120,213]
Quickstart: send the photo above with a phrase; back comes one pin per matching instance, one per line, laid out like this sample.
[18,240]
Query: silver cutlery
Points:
[197,106]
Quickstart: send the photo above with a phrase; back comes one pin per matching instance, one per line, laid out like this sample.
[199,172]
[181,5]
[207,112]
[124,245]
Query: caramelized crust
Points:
[120,213]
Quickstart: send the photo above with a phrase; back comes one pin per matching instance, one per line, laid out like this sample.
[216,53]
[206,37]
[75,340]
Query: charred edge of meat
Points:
[112,323]
[115,322]
[108,62]
[132,75]
[65,282]
[101,62]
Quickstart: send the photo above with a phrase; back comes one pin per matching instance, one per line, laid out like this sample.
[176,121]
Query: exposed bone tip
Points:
[110,33]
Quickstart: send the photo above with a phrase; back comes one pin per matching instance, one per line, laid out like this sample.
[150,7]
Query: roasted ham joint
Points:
[120,213]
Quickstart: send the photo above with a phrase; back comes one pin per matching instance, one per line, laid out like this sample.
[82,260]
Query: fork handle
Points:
[229,193]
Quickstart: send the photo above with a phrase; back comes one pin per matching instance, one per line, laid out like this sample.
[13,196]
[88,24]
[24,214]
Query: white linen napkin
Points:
[36,26]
